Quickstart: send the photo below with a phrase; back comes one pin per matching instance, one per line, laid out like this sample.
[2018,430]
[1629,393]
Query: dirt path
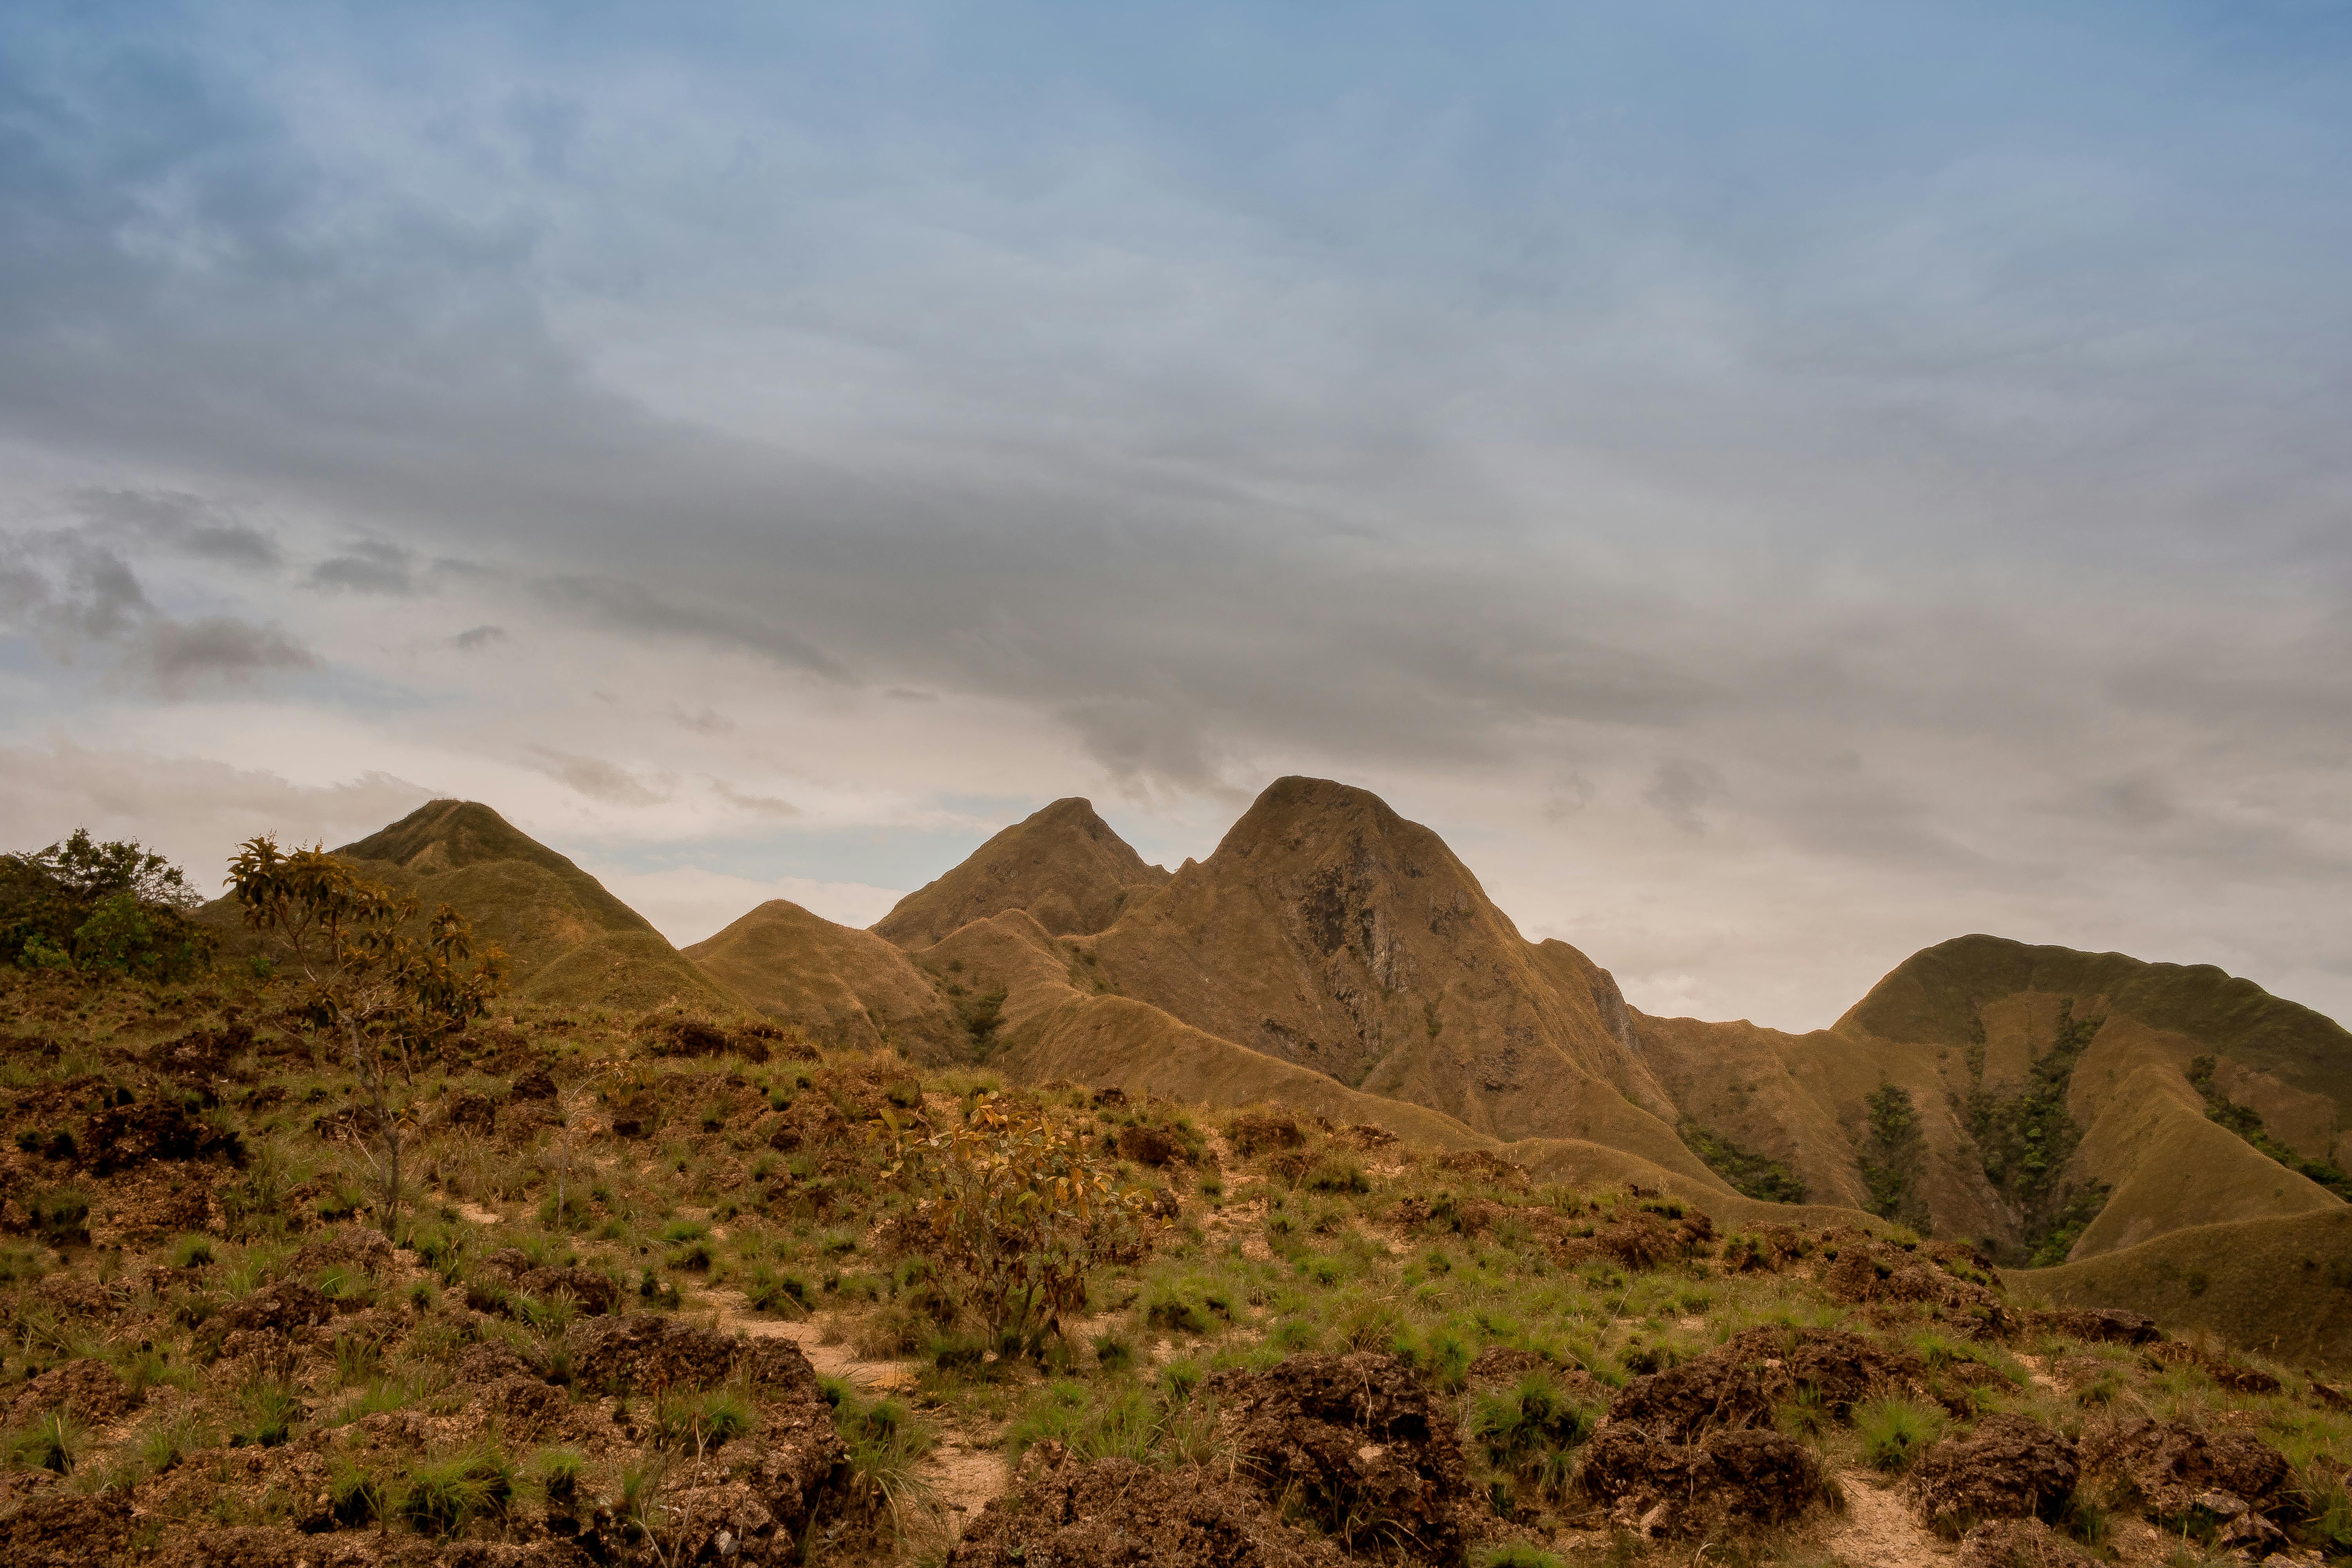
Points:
[1880,1531]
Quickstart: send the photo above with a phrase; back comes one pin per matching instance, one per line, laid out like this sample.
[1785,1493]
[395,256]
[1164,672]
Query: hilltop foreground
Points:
[661,1297]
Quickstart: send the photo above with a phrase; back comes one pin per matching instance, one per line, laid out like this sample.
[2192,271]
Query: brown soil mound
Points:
[259,1546]
[1867,1273]
[88,1388]
[1116,1512]
[1355,1440]
[2104,1324]
[122,1137]
[68,1531]
[2009,1466]
[643,1351]
[2228,1373]
[2021,1543]
[2169,1465]
[1681,1488]
[1736,1384]
[352,1248]
[280,1309]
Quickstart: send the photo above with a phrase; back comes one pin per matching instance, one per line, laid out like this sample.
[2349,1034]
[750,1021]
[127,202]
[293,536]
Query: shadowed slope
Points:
[1064,864]
[844,986]
[573,942]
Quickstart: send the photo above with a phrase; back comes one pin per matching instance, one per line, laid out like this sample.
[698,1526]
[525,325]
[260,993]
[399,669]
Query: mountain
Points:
[2063,1103]
[843,987]
[1064,866]
[573,942]
[1328,931]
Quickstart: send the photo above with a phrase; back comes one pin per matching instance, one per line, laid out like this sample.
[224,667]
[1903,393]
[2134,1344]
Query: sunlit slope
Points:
[573,942]
[1062,865]
[1330,932]
[1990,1039]
[840,986]
[2280,1284]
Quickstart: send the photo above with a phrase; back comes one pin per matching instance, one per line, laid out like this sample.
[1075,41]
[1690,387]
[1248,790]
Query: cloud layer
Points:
[1776,489]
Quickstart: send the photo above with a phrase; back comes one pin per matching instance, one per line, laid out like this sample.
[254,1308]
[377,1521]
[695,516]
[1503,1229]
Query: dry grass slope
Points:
[1064,864]
[841,986]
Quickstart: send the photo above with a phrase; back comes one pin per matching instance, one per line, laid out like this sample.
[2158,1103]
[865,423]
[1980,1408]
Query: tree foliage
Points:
[100,908]
[1021,1205]
[368,976]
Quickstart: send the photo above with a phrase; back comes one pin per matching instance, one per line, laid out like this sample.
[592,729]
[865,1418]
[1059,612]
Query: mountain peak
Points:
[1064,864]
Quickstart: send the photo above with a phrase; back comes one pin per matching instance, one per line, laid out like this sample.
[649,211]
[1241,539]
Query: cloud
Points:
[1680,787]
[477,639]
[765,805]
[597,779]
[182,522]
[184,656]
[369,566]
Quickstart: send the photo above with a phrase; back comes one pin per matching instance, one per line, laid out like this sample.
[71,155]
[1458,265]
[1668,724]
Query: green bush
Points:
[441,1496]
[54,1441]
[1895,1431]
[1529,1431]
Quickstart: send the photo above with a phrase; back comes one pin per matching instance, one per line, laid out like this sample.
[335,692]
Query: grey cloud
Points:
[183,656]
[633,606]
[369,566]
[597,779]
[479,637]
[1680,787]
[702,721]
[182,522]
[765,805]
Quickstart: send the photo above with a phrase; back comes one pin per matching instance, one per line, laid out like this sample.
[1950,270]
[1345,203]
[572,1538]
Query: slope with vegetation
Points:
[570,940]
[678,1287]
[1062,865]
[841,986]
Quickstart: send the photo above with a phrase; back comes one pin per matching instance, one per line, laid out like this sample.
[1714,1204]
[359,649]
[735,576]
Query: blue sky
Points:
[1777,485]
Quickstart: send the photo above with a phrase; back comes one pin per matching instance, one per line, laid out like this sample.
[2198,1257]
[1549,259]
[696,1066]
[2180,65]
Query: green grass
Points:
[1895,1432]
[441,1496]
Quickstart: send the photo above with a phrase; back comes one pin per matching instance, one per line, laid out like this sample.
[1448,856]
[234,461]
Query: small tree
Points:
[383,993]
[1017,1204]
[112,908]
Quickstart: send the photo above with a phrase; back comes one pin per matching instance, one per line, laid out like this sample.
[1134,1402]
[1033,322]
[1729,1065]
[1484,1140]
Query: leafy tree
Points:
[1021,1206]
[369,981]
[111,907]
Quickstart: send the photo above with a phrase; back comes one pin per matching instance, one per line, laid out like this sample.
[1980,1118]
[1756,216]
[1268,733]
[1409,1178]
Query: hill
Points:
[573,942]
[843,987]
[1062,865]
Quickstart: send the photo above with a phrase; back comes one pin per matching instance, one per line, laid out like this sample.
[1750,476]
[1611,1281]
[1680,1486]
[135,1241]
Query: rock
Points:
[644,1350]
[1737,1384]
[2170,1465]
[122,1137]
[2009,1466]
[1120,1514]
[1355,1440]
[1680,1488]
[2253,1534]
[68,1531]
[2106,1325]
[2021,1543]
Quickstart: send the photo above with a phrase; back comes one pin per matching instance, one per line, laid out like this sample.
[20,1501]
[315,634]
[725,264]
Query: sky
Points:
[1775,485]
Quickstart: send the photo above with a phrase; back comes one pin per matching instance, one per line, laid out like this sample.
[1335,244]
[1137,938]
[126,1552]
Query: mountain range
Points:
[2155,1136]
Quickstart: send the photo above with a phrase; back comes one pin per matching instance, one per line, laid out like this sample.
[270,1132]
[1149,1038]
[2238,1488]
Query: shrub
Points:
[887,1445]
[1529,1431]
[557,1473]
[354,1494]
[271,1412]
[54,1441]
[1895,1431]
[191,1251]
[771,1289]
[1333,1174]
[440,1497]
[1172,1309]
[1014,1202]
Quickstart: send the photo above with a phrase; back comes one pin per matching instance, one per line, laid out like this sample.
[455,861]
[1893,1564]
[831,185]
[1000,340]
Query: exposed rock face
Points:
[1122,1514]
[2009,1466]
[842,987]
[1329,931]
[1355,1439]
[1064,864]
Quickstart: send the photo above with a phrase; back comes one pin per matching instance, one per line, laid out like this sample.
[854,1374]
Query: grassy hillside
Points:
[2280,1284]
[573,942]
[843,987]
[645,1311]
[1062,865]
